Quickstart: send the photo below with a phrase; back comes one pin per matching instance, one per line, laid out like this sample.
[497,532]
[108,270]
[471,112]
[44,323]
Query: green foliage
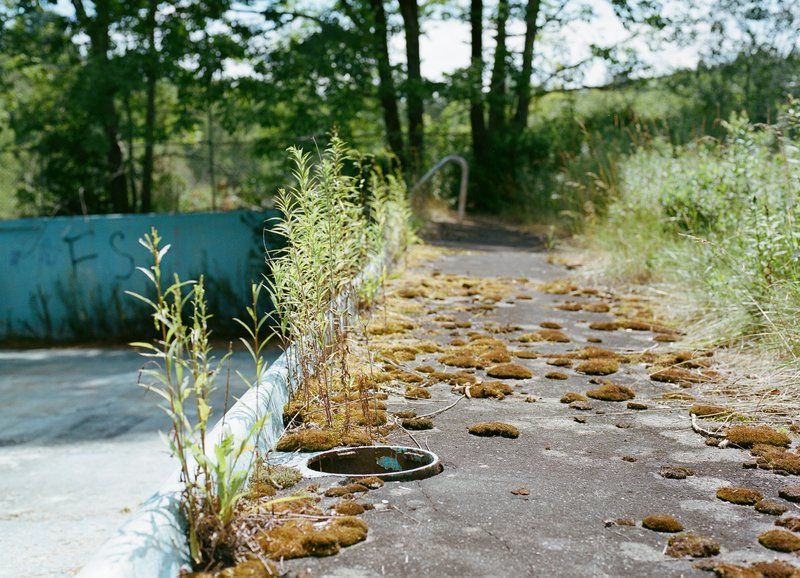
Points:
[331,233]
[718,219]
[182,371]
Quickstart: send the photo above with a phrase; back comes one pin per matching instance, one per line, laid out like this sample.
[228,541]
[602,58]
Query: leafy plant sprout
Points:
[182,370]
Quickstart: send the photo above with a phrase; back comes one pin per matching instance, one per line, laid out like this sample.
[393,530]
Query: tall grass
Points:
[717,220]
[331,234]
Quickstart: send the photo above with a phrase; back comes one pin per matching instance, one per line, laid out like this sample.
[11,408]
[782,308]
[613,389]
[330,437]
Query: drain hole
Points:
[385,462]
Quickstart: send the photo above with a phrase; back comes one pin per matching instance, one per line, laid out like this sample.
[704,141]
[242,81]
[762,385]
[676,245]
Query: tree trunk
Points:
[416,130]
[523,87]
[386,88]
[131,160]
[476,110]
[212,173]
[150,113]
[98,30]
[497,86]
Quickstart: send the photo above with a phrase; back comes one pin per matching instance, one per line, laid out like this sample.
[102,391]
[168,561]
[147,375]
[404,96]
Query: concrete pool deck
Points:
[80,449]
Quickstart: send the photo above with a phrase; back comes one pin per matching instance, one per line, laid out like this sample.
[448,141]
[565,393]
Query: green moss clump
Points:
[417,393]
[790,523]
[460,359]
[494,428]
[675,472]
[747,436]
[571,396]
[310,440]
[691,545]
[494,389]
[525,354]
[404,414]
[598,366]
[259,489]
[708,410]
[417,423]
[247,569]
[349,530]
[662,523]
[550,325]
[611,392]
[741,496]
[556,375]
[770,507]
[604,325]
[635,405]
[780,541]
[509,371]
[371,482]
[560,362]
[347,489]
[551,335]
[349,508]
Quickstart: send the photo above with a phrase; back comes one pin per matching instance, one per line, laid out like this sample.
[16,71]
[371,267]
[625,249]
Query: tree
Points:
[386,88]
[409,9]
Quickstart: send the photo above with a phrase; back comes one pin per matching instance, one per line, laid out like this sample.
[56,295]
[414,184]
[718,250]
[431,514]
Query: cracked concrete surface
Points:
[466,522]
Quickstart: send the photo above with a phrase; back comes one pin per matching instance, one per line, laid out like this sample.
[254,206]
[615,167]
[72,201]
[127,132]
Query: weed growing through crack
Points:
[182,370]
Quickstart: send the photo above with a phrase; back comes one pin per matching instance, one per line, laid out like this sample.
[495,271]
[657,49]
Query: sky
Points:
[444,44]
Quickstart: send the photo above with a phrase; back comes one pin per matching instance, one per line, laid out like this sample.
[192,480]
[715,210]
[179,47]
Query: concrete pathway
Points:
[79,450]
[467,522]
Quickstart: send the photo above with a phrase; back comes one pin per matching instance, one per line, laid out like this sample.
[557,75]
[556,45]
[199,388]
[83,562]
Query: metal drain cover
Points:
[390,463]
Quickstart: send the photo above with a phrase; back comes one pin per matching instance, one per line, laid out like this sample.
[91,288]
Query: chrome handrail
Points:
[462,190]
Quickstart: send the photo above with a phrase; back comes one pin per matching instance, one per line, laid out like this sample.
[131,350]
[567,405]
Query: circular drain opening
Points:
[386,462]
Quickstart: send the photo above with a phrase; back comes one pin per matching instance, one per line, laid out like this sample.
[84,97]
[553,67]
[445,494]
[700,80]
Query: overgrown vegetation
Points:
[716,219]
[335,226]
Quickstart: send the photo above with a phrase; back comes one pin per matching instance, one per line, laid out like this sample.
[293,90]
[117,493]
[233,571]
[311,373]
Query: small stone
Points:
[751,465]
[675,472]
[628,459]
[521,492]
[624,425]
[790,493]
[712,442]
[579,419]
[530,399]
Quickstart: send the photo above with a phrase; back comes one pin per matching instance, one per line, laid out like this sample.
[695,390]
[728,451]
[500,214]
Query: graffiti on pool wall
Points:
[59,274]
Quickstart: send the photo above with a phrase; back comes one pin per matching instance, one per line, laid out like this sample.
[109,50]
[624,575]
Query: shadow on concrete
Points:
[480,234]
